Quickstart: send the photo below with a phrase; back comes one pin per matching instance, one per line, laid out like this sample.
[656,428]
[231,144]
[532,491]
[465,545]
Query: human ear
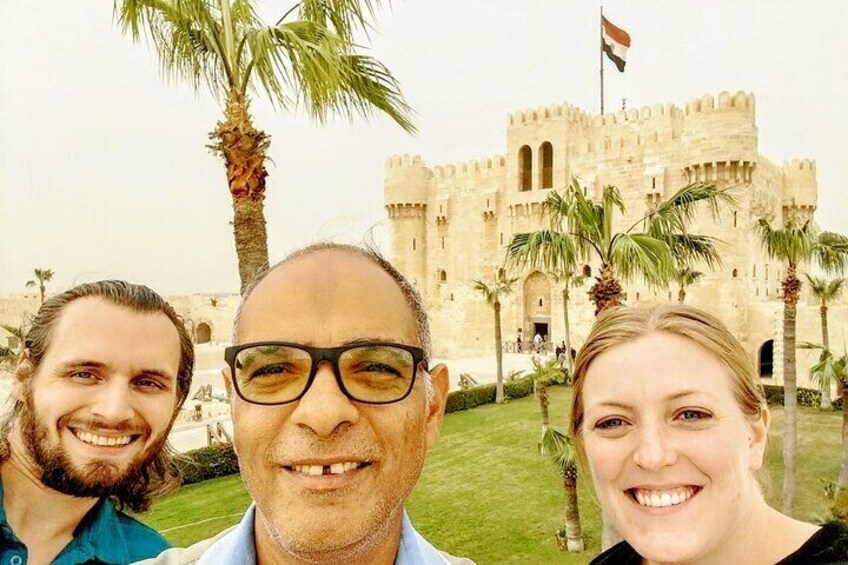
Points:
[758,439]
[436,410]
[23,372]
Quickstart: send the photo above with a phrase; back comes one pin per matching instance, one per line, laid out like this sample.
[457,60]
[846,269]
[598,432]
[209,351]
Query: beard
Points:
[99,478]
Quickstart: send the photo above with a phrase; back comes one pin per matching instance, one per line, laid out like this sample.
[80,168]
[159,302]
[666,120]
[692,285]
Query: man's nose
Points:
[655,448]
[324,407]
[112,401]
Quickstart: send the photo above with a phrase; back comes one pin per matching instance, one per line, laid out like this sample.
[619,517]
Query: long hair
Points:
[160,474]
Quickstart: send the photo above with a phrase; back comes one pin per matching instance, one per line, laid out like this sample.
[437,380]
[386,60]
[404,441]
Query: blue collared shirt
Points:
[104,535]
[237,548]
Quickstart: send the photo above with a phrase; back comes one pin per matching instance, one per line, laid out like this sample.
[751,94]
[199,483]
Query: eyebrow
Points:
[671,397]
[99,365]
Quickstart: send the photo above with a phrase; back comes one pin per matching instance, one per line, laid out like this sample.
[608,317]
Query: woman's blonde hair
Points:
[624,324]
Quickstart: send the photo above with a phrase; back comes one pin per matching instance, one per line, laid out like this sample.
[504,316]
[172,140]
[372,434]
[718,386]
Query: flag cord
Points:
[601,30]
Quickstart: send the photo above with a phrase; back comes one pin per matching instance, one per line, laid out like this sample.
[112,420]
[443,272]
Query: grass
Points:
[486,494]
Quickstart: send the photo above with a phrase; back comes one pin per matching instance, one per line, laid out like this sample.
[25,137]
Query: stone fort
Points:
[450,223]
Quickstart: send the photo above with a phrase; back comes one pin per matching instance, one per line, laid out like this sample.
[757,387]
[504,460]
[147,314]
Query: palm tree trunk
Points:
[840,508]
[41,289]
[565,298]
[244,150]
[606,292]
[499,388]
[573,528]
[541,389]
[791,289]
[826,403]
[681,294]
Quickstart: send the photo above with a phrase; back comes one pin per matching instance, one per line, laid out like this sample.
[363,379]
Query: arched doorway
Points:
[203,333]
[525,168]
[766,359]
[537,306]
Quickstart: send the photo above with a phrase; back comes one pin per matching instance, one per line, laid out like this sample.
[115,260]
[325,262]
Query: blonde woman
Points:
[670,420]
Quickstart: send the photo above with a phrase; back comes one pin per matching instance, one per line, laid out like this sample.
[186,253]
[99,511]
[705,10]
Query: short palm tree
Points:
[9,355]
[831,368]
[584,228]
[310,60]
[685,277]
[560,452]
[543,375]
[493,292]
[556,255]
[42,277]
[826,291]
[792,245]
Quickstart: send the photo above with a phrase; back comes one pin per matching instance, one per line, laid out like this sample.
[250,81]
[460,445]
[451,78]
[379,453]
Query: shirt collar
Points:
[238,546]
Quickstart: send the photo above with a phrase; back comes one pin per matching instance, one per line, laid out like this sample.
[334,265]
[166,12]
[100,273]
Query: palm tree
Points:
[492,293]
[543,375]
[583,228]
[43,276]
[793,244]
[828,370]
[685,277]
[311,60]
[826,291]
[559,450]
[9,355]
[557,257]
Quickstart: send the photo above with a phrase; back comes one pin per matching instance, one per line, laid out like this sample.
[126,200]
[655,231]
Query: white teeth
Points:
[656,499]
[94,439]
[334,469]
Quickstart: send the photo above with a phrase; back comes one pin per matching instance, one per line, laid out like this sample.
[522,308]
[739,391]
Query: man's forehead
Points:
[329,285]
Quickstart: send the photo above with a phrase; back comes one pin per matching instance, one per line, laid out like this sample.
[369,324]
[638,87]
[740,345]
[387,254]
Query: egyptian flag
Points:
[616,41]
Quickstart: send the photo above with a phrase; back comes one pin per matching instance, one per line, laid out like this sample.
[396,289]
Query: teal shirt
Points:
[104,535]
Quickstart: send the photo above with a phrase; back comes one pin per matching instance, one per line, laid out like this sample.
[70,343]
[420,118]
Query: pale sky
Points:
[104,173]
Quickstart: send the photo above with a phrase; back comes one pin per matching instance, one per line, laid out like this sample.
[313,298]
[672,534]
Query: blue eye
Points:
[694,415]
[609,423]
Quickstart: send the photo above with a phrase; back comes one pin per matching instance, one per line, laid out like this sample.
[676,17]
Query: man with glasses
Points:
[334,409]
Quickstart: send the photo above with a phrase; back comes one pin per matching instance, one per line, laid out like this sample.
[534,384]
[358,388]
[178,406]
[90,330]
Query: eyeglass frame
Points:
[331,355]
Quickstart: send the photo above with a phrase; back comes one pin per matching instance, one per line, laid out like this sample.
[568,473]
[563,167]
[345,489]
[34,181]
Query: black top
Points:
[828,546]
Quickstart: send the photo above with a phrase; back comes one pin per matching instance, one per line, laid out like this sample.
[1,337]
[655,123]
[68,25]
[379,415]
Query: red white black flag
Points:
[616,41]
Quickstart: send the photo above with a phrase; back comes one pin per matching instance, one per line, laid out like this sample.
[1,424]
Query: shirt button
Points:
[16,560]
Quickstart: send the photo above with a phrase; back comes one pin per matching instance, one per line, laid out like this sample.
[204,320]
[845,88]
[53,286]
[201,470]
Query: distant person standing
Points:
[518,344]
[537,342]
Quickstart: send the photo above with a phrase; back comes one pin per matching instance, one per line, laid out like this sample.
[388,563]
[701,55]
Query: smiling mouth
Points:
[339,468]
[662,498]
[103,441]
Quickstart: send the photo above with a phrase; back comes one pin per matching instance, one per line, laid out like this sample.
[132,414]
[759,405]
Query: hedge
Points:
[208,463]
[806,396]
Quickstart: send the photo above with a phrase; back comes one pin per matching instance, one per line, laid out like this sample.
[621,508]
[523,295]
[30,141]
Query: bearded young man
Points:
[334,409]
[105,369]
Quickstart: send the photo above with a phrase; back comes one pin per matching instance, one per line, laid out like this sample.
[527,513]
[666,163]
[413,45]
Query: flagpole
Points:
[601,28]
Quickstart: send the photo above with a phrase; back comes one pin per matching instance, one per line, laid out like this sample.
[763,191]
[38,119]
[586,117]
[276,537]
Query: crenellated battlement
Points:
[808,165]
[472,167]
[741,101]
[405,160]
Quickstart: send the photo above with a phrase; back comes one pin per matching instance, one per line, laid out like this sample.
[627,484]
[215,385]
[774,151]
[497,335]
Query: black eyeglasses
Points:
[277,372]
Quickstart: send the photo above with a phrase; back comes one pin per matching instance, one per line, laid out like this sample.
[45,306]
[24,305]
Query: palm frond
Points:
[187,36]
[552,251]
[643,255]
[344,17]
[674,214]
[826,290]
[830,251]
[17,332]
[558,449]
[793,243]
[689,249]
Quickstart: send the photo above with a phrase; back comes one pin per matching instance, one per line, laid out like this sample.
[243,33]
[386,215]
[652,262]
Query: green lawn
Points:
[486,494]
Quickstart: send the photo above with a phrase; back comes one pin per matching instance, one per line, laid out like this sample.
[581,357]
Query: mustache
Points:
[96,424]
[309,447]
